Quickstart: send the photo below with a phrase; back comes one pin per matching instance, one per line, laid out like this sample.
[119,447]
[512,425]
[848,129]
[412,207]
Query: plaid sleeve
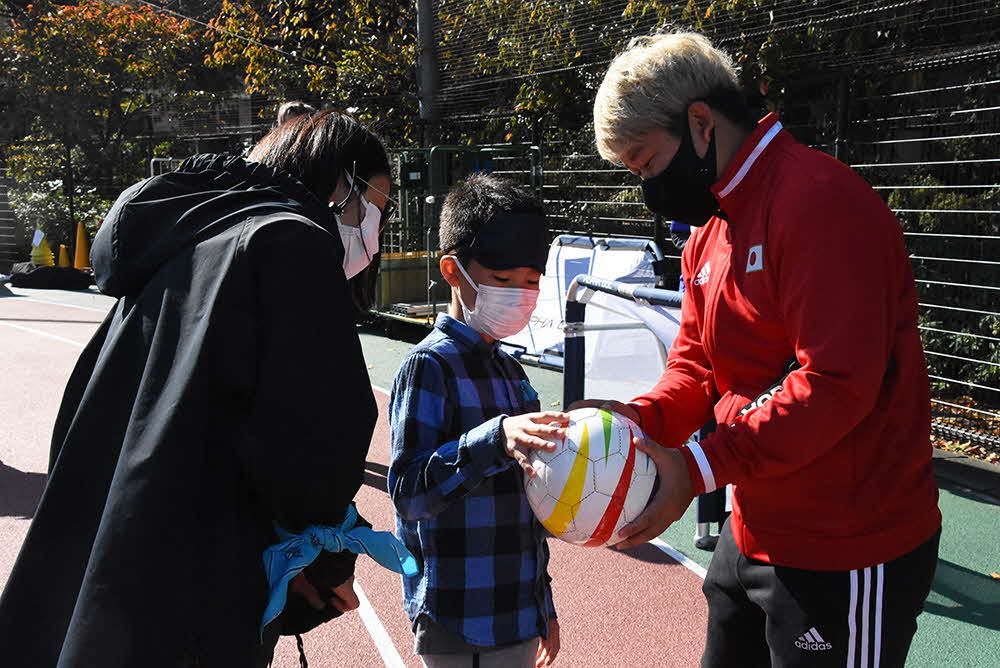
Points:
[427,472]
[550,603]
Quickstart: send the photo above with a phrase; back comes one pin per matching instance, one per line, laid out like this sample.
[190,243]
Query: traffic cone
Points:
[81,255]
[41,254]
[63,256]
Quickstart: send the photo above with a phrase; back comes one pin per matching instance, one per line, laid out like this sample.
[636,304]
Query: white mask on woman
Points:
[361,242]
[500,312]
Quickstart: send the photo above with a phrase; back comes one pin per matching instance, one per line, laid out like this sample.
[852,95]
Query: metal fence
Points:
[10,241]
[906,92]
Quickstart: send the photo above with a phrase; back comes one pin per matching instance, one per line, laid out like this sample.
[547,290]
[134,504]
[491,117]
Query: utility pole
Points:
[68,191]
[427,67]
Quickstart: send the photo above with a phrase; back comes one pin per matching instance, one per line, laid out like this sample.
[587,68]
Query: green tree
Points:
[354,54]
[87,75]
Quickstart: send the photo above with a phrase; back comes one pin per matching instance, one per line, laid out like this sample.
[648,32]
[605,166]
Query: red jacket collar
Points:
[741,168]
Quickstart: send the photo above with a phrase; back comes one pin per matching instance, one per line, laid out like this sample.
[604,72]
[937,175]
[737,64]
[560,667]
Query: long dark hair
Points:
[320,148]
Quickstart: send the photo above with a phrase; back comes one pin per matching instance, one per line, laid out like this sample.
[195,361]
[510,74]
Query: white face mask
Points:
[500,312]
[361,242]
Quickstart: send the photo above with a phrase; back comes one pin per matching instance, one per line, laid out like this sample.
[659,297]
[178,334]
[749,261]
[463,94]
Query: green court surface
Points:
[960,627]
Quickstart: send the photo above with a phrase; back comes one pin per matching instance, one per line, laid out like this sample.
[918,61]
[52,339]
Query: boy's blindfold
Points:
[511,240]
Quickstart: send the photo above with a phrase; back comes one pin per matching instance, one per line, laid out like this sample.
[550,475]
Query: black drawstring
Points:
[302,652]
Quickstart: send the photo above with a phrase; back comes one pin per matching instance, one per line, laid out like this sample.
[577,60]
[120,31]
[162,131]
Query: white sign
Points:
[620,363]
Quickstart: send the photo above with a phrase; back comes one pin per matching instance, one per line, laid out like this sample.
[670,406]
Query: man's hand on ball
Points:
[608,405]
[671,500]
[524,433]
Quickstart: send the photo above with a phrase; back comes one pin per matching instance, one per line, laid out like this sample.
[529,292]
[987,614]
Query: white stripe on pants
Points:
[869,608]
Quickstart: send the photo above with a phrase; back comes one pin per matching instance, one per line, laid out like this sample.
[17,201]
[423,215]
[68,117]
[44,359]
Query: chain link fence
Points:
[907,93]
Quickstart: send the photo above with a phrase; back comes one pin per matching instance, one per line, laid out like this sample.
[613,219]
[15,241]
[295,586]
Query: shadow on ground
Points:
[399,331]
[649,553]
[976,486]
[20,492]
[965,595]
[376,475]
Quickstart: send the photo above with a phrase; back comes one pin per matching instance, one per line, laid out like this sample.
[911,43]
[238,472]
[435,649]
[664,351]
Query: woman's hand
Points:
[342,596]
[671,500]
[608,405]
[548,647]
[524,433]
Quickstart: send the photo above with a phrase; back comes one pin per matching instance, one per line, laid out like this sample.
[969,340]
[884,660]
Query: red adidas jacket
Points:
[834,473]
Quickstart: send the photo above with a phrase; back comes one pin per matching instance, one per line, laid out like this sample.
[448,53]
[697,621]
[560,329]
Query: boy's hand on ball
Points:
[671,500]
[524,433]
[608,405]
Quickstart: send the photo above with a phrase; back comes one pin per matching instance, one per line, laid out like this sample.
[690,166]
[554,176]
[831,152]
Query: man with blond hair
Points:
[804,346]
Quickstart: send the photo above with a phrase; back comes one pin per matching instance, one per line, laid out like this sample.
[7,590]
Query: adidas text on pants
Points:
[766,616]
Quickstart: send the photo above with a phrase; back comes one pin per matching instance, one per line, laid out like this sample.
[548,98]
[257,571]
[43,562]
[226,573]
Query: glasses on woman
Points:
[388,209]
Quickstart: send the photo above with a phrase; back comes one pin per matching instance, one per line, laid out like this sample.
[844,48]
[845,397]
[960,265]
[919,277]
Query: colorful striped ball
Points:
[594,482]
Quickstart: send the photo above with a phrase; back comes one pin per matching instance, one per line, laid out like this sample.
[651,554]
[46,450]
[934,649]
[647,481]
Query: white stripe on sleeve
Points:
[706,470]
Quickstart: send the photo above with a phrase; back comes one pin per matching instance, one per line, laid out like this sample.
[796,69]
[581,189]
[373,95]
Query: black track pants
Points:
[761,615]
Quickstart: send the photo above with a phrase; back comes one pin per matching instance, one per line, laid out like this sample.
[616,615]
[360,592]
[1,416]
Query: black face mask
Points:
[681,191]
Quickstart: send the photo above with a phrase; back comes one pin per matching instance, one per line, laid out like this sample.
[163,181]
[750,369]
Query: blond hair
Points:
[651,84]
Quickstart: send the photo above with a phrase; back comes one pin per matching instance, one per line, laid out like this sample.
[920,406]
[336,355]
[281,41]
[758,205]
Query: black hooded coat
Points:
[217,398]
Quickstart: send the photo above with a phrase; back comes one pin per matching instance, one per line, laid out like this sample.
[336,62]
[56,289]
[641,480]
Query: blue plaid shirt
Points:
[460,503]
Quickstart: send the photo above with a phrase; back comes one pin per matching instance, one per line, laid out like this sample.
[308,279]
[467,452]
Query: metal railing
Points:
[709,508]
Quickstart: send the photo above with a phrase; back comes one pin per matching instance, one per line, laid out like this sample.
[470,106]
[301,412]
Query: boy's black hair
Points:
[473,202]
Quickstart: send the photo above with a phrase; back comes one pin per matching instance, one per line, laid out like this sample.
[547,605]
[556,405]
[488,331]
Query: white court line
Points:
[383,643]
[46,334]
[390,656]
[683,560]
[374,625]
[55,303]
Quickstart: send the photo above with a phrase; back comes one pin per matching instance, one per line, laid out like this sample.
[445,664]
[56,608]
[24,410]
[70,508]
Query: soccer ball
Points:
[594,482]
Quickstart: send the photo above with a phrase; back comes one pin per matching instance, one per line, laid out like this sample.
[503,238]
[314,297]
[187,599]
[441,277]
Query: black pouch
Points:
[329,570]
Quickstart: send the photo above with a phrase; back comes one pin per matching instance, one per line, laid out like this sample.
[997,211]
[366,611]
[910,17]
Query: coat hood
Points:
[155,219]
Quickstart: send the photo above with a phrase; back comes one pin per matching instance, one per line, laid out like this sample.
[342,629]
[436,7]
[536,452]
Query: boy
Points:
[463,420]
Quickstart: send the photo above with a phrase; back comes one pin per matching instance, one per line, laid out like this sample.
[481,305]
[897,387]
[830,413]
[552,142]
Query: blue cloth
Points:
[460,501]
[284,561]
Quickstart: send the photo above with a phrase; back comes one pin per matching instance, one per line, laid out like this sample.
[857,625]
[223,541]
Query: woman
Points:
[225,393]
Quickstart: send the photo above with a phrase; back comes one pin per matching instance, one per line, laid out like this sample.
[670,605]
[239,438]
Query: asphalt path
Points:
[633,609]
[637,608]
